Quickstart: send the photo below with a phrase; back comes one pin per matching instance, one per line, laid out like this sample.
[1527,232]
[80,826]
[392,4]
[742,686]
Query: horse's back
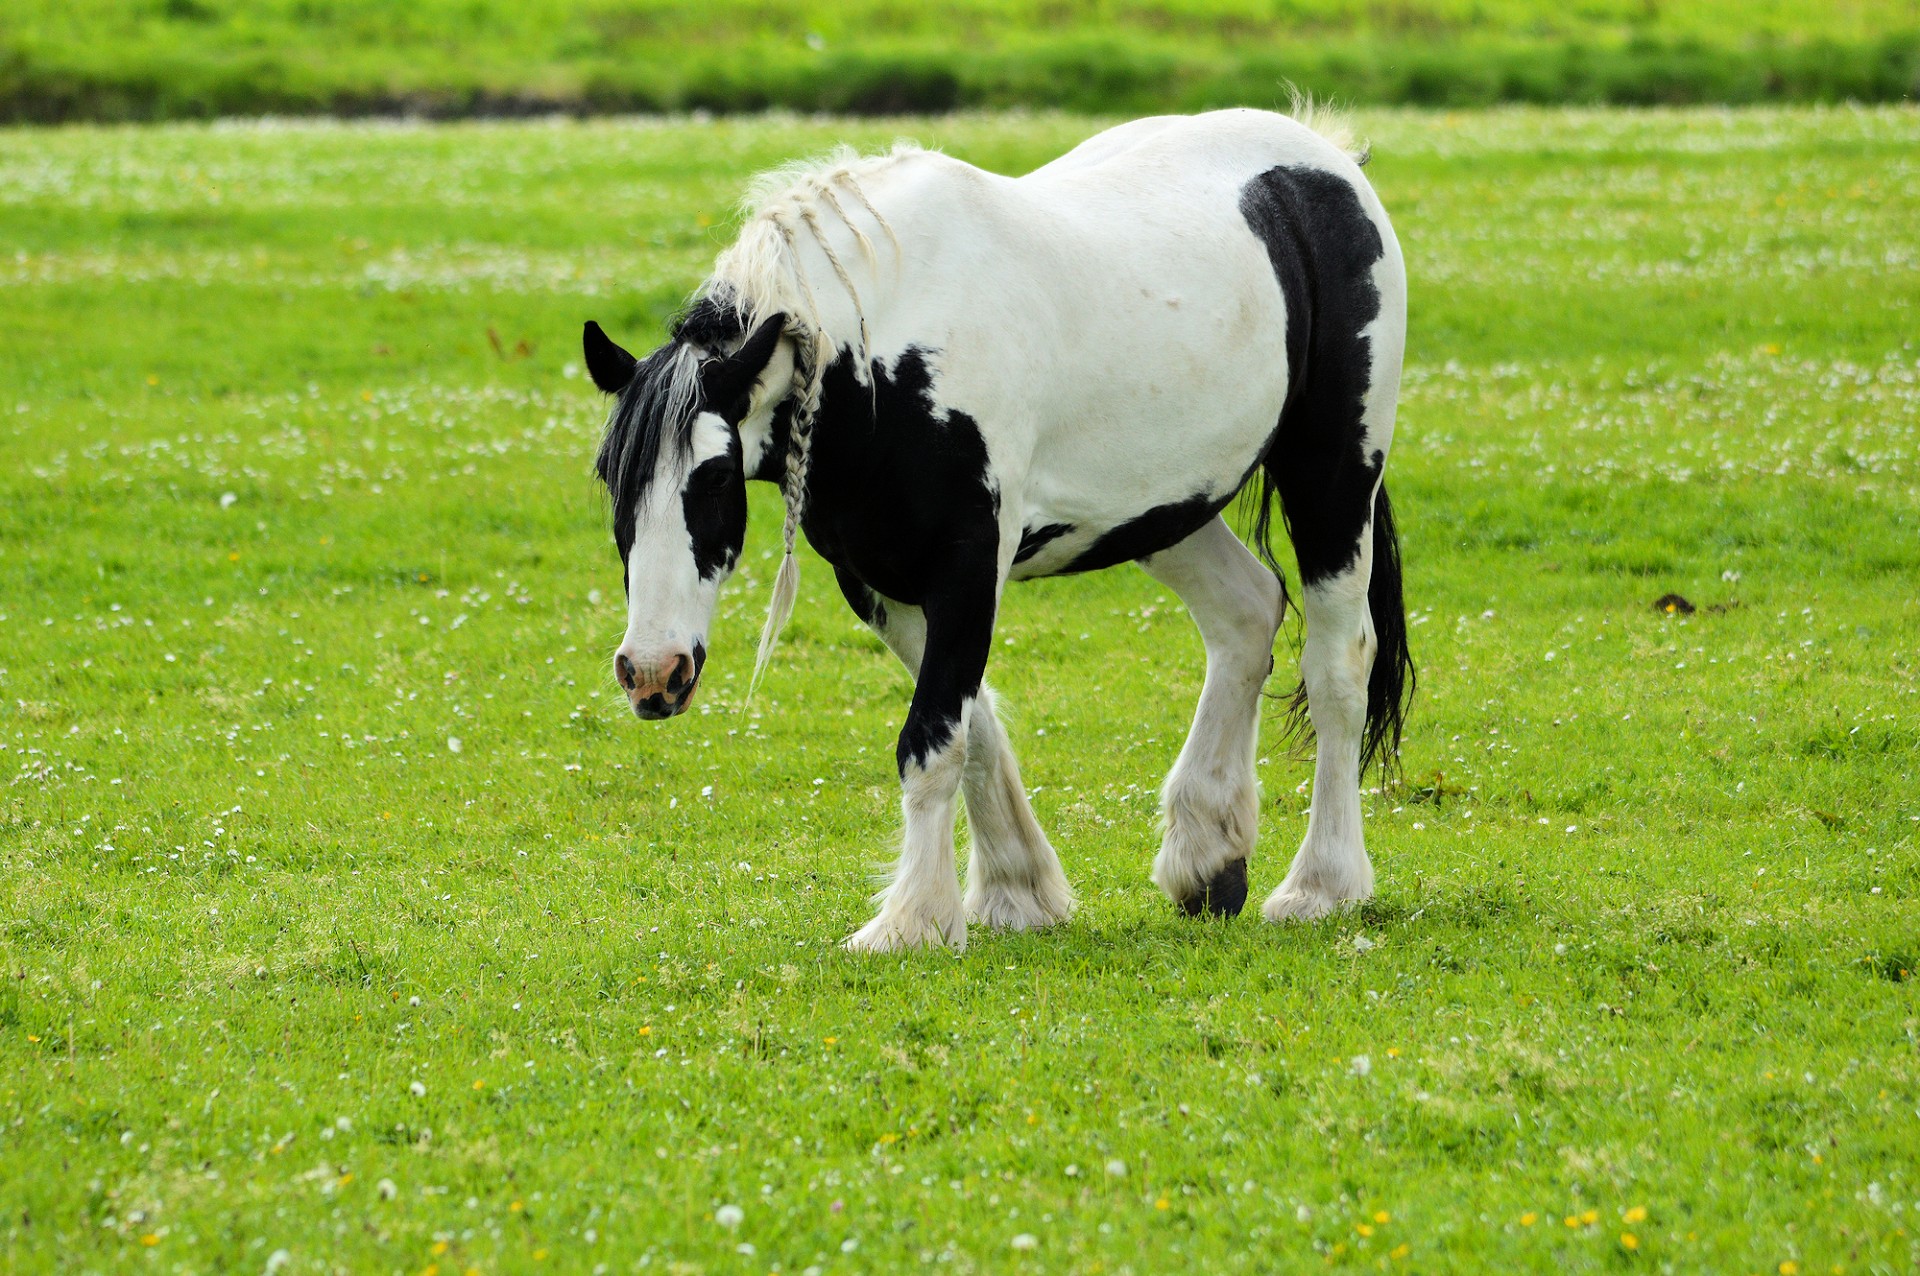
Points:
[1112,320]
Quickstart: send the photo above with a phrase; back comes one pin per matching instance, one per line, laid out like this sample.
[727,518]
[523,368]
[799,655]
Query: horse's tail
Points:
[1391,682]
[1390,685]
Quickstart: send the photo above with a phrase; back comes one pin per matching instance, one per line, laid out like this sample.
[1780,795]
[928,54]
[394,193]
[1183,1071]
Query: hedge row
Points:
[1108,76]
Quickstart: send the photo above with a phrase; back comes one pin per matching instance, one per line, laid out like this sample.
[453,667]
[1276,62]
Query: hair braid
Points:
[763,275]
[810,348]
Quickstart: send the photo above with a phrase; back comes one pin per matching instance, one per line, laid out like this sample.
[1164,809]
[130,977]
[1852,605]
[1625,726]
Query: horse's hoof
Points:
[896,934]
[1224,894]
[1010,908]
[1291,904]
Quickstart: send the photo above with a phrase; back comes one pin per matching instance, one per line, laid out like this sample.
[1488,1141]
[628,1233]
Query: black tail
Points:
[1390,686]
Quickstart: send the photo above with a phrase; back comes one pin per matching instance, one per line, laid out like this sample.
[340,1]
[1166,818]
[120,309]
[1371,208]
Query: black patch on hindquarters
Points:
[1323,248]
[1224,895]
[1159,528]
[1034,539]
[900,500]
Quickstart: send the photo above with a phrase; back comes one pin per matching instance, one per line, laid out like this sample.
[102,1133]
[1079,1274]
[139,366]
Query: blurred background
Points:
[64,60]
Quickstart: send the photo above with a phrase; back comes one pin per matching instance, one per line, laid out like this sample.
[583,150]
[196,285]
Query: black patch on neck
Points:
[1323,248]
[898,490]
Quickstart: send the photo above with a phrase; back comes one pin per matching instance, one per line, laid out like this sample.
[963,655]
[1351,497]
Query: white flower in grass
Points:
[1362,1065]
[228,500]
[453,744]
[386,1189]
[729,1216]
[1026,1240]
[417,1090]
[1116,1169]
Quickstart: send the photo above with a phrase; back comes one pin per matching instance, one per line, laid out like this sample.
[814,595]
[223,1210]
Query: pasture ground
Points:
[348,922]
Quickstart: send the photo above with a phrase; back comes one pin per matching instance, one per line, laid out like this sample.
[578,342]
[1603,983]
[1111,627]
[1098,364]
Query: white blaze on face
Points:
[669,606]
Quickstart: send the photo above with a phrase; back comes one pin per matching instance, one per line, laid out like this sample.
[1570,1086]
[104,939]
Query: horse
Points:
[961,379]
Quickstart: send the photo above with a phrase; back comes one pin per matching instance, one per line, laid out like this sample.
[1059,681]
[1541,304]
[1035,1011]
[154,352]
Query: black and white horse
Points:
[962,379]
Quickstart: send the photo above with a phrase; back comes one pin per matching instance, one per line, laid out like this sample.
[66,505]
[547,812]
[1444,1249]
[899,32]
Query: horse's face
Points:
[672,461]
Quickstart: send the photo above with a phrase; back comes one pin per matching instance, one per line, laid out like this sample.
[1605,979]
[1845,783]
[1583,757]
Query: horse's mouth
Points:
[659,705]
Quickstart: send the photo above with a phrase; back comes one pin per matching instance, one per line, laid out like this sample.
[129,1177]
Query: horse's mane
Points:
[761,275]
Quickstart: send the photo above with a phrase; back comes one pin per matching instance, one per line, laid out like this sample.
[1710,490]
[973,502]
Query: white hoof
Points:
[896,932]
[1294,904]
[1005,906]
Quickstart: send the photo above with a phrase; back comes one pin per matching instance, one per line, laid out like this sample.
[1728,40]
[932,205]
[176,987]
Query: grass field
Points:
[162,59]
[348,921]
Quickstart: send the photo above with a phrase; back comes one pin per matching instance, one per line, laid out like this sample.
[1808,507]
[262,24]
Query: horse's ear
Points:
[734,375]
[609,366]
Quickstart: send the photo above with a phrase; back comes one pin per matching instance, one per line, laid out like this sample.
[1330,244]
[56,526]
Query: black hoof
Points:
[1224,896]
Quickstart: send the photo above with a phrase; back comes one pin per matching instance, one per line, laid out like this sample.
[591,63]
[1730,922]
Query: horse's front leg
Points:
[1014,879]
[921,904]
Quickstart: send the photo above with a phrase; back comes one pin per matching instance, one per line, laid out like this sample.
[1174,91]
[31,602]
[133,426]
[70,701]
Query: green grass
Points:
[158,59]
[297,491]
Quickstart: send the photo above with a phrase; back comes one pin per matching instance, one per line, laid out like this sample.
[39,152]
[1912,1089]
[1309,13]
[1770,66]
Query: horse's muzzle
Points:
[662,689]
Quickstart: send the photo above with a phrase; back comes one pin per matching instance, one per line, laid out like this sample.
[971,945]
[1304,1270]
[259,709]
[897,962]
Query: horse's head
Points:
[693,420]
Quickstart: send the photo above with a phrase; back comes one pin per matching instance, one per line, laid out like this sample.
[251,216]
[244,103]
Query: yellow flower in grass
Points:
[1529,1219]
[1638,1214]
[1629,1241]
[1789,1268]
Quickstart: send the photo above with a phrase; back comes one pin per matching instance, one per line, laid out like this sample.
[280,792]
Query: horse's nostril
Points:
[623,671]
[682,674]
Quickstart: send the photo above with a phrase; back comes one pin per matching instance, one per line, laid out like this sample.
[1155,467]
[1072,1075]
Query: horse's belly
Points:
[1114,496]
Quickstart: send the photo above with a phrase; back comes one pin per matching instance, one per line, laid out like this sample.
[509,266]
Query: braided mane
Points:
[762,275]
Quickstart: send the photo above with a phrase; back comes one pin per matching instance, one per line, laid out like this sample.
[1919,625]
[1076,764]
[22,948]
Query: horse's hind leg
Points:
[1210,804]
[1331,867]
[1014,879]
